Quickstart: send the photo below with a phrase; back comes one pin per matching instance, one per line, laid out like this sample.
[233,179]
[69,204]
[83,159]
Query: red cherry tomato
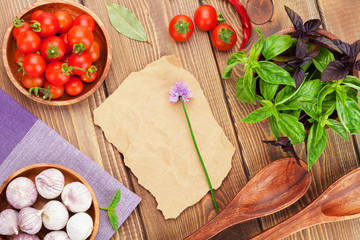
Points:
[46,25]
[90,75]
[68,47]
[56,91]
[28,42]
[65,59]
[65,21]
[34,64]
[36,14]
[82,61]
[19,27]
[223,37]
[86,21]
[80,36]
[30,81]
[19,56]
[57,73]
[205,17]
[94,51]
[53,48]
[74,86]
[181,28]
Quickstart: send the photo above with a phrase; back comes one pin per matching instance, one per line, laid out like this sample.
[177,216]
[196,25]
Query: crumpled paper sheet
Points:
[153,135]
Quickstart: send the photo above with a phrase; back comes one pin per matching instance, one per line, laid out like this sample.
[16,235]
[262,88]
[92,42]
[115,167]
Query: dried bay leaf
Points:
[125,22]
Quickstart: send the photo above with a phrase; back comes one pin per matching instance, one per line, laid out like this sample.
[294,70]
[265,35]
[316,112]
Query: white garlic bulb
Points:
[76,197]
[21,192]
[30,220]
[9,222]
[55,215]
[79,226]
[25,236]
[57,235]
[50,183]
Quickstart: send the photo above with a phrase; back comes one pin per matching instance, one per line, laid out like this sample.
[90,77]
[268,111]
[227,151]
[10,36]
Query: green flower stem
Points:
[198,152]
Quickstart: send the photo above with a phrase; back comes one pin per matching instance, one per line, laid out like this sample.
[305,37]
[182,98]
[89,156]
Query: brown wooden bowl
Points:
[70,175]
[100,35]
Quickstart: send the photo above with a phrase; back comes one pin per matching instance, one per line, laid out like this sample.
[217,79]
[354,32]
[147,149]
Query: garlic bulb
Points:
[9,222]
[76,197]
[79,226]
[21,192]
[30,220]
[25,236]
[50,183]
[55,215]
[57,235]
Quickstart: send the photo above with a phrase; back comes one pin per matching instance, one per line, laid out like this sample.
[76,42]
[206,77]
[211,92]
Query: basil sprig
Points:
[111,210]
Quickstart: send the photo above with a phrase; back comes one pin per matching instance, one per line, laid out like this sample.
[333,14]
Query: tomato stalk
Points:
[225,35]
[66,69]
[91,70]
[17,22]
[45,91]
[79,48]
[220,18]
[21,68]
[36,26]
[52,52]
[182,27]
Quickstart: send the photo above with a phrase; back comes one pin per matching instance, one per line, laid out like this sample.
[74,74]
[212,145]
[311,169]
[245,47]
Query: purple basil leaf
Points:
[281,64]
[300,48]
[294,18]
[313,52]
[295,63]
[357,65]
[343,46]
[312,25]
[326,43]
[298,76]
[355,47]
[335,70]
[298,33]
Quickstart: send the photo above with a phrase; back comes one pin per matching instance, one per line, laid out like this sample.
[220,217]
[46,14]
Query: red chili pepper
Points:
[245,21]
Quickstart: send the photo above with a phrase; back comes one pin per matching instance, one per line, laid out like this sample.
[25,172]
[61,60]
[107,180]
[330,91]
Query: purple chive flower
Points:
[180,89]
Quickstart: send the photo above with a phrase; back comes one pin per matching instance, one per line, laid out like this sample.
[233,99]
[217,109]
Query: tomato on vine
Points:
[34,64]
[30,81]
[28,42]
[36,14]
[65,21]
[78,62]
[86,21]
[58,73]
[94,51]
[45,25]
[53,48]
[181,28]
[19,56]
[74,86]
[19,27]
[205,17]
[80,38]
[56,91]
[223,37]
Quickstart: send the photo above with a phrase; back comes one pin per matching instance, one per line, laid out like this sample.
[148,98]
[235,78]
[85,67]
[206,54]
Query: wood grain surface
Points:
[75,122]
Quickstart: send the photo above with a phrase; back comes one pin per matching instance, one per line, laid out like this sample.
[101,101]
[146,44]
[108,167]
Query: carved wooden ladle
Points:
[273,188]
[341,201]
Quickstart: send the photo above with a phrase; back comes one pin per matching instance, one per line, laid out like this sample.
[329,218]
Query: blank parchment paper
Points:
[154,137]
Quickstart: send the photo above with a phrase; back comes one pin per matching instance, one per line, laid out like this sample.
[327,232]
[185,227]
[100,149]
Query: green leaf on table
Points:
[114,220]
[267,90]
[292,128]
[111,209]
[272,73]
[258,115]
[235,59]
[116,199]
[339,128]
[315,150]
[323,59]
[257,47]
[274,127]
[276,44]
[125,22]
[249,85]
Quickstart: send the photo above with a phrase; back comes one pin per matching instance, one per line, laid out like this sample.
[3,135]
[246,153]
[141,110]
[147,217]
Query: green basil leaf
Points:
[249,83]
[235,59]
[116,199]
[339,128]
[352,113]
[125,22]
[284,94]
[314,151]
[257,47]
[258,115]
[267,90]
[292,128]
[272,73]
[310,109]
[276,44]
[340,109]
[240,93]
[326,90]
[352,82]
[323,59]
[274,127]
[114,220]
[353,94]
[309,90]
[319,131]
[295,113]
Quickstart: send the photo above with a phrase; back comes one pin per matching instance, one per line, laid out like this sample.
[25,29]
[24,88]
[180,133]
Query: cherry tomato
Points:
[223,37]
[65,21]
[19,56]
[19,27]
[86,21]
[205,17]
[57,73]
[34,64]
[53,48]
[68,47]
[90,75]
[65,59]
[45,25]
[36,14]
[181,28]
[56,91]
[94,51]
[80,36]
[74,86]
[30,81]
[28,42]
[82,61]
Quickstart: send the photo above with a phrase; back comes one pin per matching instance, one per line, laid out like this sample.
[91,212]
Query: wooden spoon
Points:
[273,188]
[341,201]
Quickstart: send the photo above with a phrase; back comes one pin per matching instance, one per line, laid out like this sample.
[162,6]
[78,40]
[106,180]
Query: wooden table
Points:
[75,122]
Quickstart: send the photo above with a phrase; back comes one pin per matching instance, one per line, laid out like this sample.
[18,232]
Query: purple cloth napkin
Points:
[25,140]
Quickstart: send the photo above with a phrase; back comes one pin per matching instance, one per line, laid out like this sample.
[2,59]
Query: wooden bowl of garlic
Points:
[48,201]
